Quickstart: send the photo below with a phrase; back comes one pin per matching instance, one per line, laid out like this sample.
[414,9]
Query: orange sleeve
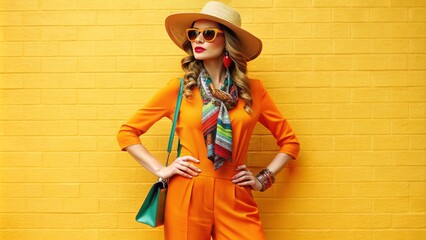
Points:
[272,119]
[159,106]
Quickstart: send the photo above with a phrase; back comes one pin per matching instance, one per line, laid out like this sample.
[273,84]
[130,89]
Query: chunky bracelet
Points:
[266,178]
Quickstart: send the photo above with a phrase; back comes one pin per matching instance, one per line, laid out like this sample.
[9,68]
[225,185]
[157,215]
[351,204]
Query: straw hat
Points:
[176,25]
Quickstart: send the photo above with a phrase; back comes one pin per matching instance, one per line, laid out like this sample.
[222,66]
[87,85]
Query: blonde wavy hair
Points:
[238,70]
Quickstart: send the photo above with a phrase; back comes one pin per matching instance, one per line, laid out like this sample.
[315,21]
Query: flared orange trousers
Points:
[211,206]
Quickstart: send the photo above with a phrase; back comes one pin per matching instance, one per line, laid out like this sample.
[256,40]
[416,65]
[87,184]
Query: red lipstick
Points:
[199,49]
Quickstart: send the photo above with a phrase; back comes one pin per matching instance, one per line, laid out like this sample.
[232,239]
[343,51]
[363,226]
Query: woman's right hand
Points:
[182,166]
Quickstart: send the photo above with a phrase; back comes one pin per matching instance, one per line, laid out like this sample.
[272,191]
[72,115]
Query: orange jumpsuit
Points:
[210,204]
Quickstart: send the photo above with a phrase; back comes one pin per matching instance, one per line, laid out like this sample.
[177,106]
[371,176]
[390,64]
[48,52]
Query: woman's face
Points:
[204,50]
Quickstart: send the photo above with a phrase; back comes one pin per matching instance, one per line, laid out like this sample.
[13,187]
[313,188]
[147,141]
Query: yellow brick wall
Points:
[350,75]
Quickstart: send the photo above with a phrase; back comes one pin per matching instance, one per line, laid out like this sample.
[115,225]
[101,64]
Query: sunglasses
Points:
[209,34]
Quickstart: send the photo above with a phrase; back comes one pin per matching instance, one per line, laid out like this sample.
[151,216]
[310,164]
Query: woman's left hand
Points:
[246,178]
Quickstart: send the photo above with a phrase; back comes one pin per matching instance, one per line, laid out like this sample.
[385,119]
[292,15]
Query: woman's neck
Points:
[216,71]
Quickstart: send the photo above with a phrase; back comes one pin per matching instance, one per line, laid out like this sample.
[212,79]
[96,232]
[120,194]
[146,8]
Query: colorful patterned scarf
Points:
[217,128]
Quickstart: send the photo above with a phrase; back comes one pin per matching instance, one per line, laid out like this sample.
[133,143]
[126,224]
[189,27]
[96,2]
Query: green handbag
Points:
[152,209]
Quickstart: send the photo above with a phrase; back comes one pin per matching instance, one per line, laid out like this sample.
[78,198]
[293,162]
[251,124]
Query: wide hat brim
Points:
[176,25]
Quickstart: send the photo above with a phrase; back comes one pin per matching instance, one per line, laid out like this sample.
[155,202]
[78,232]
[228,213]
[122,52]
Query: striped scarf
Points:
[217,128]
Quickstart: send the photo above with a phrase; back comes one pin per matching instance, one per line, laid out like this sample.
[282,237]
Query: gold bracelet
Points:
[266,178]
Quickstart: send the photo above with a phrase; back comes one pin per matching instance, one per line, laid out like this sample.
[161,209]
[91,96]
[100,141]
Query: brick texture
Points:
[350,75]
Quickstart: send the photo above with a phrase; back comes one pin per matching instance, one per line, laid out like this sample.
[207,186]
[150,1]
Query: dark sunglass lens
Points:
[192,34]
[209,34]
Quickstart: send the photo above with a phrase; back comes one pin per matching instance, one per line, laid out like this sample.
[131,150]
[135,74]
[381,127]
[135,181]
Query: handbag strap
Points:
[175,117]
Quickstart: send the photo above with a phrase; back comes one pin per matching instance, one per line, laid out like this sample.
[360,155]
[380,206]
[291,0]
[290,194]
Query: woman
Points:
[210,186]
